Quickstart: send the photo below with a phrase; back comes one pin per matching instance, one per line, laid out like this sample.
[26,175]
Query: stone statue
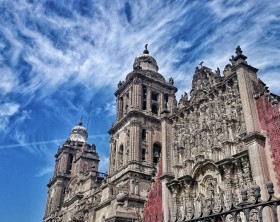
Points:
[171,81]
[218,72]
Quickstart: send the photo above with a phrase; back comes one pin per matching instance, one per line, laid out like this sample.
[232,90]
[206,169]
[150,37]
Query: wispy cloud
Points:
[57,56]
[23,142]
[54,50]
[44,171]
[8,80]
[8,109]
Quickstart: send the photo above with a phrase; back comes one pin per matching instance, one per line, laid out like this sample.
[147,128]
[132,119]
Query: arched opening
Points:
[144,97]
[143,154]
[156,152]
[155,102]
[144,136]
[69,164]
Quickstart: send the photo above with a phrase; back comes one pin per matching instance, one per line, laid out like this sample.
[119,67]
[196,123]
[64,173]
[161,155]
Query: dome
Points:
[78,133]
[145,61]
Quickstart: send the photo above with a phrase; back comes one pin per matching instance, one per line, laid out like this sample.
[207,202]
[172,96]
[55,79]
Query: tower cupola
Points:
[145,61]
[79,133]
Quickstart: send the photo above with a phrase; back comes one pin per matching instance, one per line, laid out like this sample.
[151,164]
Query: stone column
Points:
[161,103]
[167,175]
[150,145]
[117,155]
[134,94]
[255,145]
[111,159]
[137,91]
[149,101]
[166,131]
[130,98]
[139,98]
[57,196]
[118,108]
[63,162]
[124,104]
[166,200]
[171,103]
[247,76]
[135,135]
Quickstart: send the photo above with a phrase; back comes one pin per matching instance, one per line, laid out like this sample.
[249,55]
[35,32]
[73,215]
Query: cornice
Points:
[244,65]
[140,75]
[253,136]
[78,196]
[131,114]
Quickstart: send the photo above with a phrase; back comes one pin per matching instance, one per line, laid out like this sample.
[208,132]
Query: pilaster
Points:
[135,146]
[255,143]
[246,78]
[149,102]
[150,145]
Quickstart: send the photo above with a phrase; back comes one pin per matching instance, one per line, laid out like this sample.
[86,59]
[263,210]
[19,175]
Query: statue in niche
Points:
[215,137]
[128,138]
[204,141]
[200,203]
[171,81]
[120,162]
[184,100]
[218,72]
[119,84]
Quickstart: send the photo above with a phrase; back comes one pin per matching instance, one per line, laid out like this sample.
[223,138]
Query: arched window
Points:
[143,154]
[156,152]
[69,164]
[144,136]
[144,97]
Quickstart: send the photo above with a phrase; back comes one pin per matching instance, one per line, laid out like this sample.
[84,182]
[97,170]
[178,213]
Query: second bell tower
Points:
[135,145]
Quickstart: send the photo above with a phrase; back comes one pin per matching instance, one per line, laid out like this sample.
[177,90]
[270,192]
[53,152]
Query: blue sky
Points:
[57,56]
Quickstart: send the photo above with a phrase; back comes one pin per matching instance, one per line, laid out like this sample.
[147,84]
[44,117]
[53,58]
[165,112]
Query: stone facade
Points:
[172,159]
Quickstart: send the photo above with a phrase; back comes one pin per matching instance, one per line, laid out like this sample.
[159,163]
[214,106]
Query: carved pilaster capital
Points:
[135,122]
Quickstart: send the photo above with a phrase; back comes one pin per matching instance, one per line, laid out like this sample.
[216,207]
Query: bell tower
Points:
[136,140]
[75,160]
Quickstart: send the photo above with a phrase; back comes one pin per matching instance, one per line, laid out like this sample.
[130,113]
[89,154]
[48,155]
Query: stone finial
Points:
[244,194]
[256,191]
[171,81]
[238,50]
[146,51]
[119,84]
[270,188]
[81,121]
[218,72]
[239,58]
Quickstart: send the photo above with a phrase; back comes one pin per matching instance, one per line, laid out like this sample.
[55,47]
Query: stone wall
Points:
[269,118]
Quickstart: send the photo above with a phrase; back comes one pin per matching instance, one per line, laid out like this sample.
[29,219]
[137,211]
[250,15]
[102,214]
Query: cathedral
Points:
[170,160]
